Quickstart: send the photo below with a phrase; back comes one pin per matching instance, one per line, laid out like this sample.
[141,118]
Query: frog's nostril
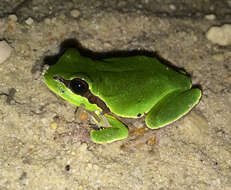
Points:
[139,114]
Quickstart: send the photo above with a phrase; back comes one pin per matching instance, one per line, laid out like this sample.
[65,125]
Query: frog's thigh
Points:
[117,131]
[172,108]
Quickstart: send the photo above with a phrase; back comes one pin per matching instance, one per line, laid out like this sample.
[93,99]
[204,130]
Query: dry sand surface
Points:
[43,147]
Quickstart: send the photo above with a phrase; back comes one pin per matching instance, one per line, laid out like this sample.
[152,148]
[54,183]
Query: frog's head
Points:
[68,79]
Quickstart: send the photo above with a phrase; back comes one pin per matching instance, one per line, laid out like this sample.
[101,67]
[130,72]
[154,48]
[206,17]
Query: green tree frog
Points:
[130,87]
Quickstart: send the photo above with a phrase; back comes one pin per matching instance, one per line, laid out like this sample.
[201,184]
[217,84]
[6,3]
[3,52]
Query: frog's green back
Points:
[128,85]
[133,85]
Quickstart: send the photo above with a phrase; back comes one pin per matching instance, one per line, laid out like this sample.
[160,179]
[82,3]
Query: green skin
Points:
[129,86]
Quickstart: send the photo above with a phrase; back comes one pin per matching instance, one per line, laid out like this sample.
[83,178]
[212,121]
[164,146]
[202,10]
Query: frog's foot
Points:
[172,108]
[117,131]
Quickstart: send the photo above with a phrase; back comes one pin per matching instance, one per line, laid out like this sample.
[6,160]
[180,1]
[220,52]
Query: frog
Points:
[132,86]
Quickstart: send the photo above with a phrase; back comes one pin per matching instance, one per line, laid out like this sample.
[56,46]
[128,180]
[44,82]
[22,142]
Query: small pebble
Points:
[29,21]
[62,16]
[75,13]
[47,21]
[5,51]
[83,147]
[73,153]
[229,3]
[210,17]
[220,35]
[67,167]
[228,79]
[84,116]
[13,18]
[53,20]
[172,7]
[89,166]
[107,45]
[95,167]
[218,57]
[80,187]
[53,125]
[1,115]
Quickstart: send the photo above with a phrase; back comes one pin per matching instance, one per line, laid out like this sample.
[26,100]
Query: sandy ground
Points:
[43,147]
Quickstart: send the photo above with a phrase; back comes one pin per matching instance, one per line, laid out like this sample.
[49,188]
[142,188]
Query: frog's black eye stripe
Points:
[78,86]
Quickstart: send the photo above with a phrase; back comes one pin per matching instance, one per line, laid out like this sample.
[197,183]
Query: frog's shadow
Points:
[73,43]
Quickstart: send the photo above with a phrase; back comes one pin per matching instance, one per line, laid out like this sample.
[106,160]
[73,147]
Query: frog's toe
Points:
[117,131]
[172,108]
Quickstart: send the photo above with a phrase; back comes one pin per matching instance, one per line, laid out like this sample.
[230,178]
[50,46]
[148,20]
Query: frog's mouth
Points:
[81,87]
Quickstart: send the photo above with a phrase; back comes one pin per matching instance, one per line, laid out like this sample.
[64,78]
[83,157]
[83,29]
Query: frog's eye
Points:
[78,86]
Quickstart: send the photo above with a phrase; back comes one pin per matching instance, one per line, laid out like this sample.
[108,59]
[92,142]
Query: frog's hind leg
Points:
[117,131]
[172,108]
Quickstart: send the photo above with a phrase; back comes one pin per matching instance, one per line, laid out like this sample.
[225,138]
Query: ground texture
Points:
[41,144]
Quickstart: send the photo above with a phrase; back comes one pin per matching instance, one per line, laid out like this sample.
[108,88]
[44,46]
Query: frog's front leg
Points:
[172,107]
[117,131]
